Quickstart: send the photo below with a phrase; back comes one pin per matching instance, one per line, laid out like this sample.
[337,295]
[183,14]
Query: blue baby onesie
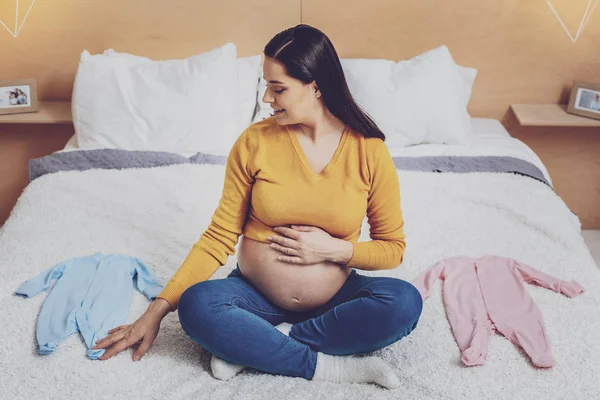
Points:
[90,294]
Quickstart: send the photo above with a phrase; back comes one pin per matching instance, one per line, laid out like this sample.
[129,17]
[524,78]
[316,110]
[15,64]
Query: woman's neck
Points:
[321,127]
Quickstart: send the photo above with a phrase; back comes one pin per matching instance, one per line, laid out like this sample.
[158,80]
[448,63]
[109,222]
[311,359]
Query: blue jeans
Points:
[231,319]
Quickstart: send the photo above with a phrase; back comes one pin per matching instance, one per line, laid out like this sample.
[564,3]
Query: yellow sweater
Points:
[269,182]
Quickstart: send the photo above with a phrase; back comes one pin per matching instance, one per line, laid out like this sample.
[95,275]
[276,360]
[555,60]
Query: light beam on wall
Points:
[17,29]
[584,19]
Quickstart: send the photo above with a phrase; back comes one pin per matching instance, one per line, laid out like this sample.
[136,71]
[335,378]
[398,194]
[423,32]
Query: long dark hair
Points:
[308,55]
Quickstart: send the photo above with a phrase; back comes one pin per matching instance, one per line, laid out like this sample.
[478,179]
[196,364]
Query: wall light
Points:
[584,19]
[17,28]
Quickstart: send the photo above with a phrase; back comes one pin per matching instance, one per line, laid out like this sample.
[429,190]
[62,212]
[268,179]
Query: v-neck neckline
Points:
[304,160]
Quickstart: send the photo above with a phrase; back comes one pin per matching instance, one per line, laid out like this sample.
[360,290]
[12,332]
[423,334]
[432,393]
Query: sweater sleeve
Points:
[386,249]
[220,238]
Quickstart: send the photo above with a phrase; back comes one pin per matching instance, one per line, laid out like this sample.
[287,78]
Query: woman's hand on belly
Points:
[303,244]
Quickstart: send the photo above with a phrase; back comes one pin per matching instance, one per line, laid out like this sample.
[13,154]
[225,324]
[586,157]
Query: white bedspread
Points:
[158,213]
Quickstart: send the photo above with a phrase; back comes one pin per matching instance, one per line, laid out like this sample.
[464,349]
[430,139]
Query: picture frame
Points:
[585,99]
[18,96]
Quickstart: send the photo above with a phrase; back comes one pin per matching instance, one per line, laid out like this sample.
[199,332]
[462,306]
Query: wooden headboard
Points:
[520,48]
[56,31]
[522,53]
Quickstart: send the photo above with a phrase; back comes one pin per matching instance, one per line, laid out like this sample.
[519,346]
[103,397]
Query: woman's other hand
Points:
[304,244]
[145,329]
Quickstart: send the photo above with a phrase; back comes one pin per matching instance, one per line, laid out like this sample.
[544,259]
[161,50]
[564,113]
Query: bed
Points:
[488,195]
[153,213]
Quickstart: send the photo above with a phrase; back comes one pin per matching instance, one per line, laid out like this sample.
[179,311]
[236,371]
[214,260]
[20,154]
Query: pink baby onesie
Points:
[485,294]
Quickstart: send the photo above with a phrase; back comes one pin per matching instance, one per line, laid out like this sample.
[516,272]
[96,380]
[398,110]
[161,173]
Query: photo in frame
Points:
[585,99]
[18,96]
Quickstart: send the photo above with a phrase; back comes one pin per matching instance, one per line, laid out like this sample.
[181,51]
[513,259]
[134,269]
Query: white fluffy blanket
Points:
[158,213]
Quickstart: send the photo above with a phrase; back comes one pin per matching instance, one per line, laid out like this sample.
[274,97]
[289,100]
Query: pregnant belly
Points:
[293,287]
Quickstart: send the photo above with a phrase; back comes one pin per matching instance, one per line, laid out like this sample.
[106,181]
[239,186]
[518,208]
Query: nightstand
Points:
[26,136]
[550,115]
[569,146]
[50,112]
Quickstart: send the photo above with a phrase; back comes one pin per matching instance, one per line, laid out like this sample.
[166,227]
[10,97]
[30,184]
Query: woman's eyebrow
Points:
[274,81]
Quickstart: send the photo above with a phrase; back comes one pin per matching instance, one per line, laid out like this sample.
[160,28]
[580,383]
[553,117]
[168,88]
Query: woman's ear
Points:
[315,89]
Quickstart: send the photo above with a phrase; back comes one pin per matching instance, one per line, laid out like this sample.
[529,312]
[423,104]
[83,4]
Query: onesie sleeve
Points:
[220,238]
[425,280]
[384,215]
[532,275]
[145,280]
[42,281]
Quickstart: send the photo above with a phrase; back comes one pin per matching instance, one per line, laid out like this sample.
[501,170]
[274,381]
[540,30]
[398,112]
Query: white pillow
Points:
[468,75]
[263,110]
[182,106]
[249,69]
[421,100]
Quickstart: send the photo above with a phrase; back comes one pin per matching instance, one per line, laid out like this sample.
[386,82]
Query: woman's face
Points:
[297,99]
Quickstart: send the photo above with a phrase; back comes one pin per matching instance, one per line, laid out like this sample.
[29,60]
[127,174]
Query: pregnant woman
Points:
[297,188]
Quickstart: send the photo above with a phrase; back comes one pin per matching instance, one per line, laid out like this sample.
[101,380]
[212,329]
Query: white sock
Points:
[284,328]
[351,369]
[224,370]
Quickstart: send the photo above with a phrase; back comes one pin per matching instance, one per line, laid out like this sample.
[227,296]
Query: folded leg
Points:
[232,320]
[529,332]
[367,313]
[475,345]
[55,323]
